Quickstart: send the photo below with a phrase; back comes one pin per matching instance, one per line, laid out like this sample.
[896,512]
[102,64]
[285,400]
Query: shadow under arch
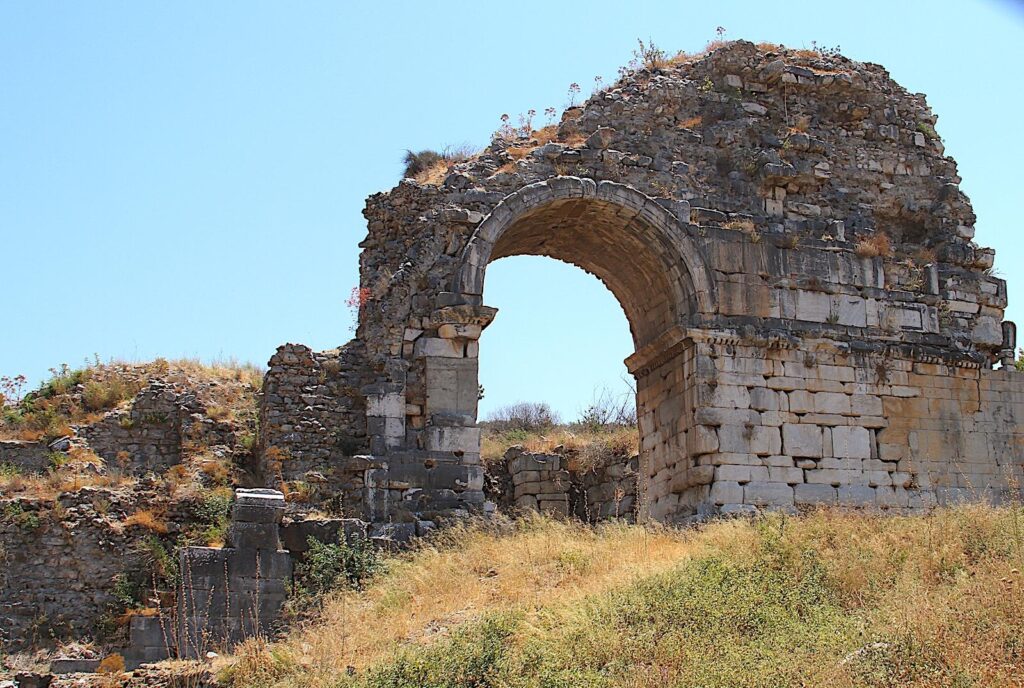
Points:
[635,246]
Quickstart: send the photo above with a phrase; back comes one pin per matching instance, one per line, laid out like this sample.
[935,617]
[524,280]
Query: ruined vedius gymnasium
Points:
[813,322]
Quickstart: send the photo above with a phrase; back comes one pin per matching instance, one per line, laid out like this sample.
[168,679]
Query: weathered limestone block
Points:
[853,442]
[802,440]
[815,495]
[768,494]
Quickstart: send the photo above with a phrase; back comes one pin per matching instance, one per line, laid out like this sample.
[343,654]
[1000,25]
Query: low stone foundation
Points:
[607,490]
[539,482]
[548,483]
[25,456]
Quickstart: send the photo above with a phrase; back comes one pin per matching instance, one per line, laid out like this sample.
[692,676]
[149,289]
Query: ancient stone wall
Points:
[539,482]
[145,437]
[313,416]
[25,456]
[778,202]
[606,491]
[549,483]
[151,433]
[58,569]
[787,427]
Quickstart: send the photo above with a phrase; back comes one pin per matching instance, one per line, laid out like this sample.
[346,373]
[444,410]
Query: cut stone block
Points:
[724,492]
[802,440]
[851,442]
[856,495]
[815,494]
[768,494]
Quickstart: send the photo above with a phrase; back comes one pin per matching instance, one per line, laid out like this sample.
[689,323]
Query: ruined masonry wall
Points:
[778,202]
[312,412]
[57,576]
[785,428]
[548,483]
[25,456]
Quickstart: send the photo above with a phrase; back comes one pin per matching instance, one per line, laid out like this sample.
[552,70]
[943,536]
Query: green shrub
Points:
[100,396]
[14,512]
[472,657]
[928,131]
[62,380]
[331,565]
[161,561]
[58,460]
[417,163]
[126,592]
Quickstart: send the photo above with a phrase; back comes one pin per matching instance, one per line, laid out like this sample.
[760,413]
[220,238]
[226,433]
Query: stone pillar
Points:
[233,593]
[1008,351]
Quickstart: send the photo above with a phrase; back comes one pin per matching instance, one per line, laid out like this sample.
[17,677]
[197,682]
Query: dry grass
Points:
[472,571]
[925,256]
[680,58]
[740,225]
[714,45]
[437,171]
[878,244]
[147,519]
[805,53]
[434,174]
[537,139]
[801,125]
[691,123]
[584,447]
[70,472]
[507,168]
[49,486]
[831,598]
[78,397]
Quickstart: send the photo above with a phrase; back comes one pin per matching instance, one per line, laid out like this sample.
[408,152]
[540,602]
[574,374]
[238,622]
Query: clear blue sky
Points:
[186,178]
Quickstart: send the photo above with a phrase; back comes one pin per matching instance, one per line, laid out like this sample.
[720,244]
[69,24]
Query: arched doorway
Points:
[642,253]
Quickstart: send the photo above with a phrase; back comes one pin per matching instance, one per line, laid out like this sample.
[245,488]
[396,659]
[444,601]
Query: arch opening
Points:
[561,340]
[643,254]
[637,248]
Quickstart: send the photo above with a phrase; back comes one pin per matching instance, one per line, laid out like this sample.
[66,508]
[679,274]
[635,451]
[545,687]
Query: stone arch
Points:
[637,247]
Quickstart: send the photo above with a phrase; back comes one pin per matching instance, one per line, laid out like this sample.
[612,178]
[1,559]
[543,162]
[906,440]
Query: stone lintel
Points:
[464,314]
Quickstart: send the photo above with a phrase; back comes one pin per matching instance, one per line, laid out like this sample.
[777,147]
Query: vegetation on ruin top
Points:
[74,396]
[605,431]
[519,137]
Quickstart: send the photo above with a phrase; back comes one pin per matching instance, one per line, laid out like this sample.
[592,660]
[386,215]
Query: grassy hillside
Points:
[828,598]
[79,396]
